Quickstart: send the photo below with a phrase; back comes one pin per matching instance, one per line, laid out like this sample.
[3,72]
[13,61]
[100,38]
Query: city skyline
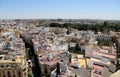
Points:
[65,9]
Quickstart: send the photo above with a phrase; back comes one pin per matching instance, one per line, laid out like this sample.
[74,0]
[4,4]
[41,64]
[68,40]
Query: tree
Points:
[68,32]
[58,69]
[77,48]
[29,74]
[83,52]
[70,57]
[105,23]
[100,41]
[68,47]
[55,25]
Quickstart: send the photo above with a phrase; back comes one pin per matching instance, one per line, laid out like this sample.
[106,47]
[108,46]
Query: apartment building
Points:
[12,56]
[100,70]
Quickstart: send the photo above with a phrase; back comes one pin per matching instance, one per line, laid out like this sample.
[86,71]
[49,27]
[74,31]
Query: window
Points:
[13,75]
[3,72]
[19,74]
[13,72]
[24,74]
[2,66]
[99,72]
[24,69]
[9,74]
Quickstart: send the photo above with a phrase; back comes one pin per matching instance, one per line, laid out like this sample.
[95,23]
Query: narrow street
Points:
[33,57]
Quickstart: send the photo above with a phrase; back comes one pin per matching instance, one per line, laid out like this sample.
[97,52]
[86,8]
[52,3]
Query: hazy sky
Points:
[75,9]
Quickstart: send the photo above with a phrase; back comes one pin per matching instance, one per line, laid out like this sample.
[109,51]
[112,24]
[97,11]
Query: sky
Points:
[65,9]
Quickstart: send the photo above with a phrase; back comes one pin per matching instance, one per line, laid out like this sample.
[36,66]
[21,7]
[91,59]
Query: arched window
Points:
[13,71]
[19,74]
[13,75]
[9,74]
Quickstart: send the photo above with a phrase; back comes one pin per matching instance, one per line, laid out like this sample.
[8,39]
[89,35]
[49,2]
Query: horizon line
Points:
[59,18]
